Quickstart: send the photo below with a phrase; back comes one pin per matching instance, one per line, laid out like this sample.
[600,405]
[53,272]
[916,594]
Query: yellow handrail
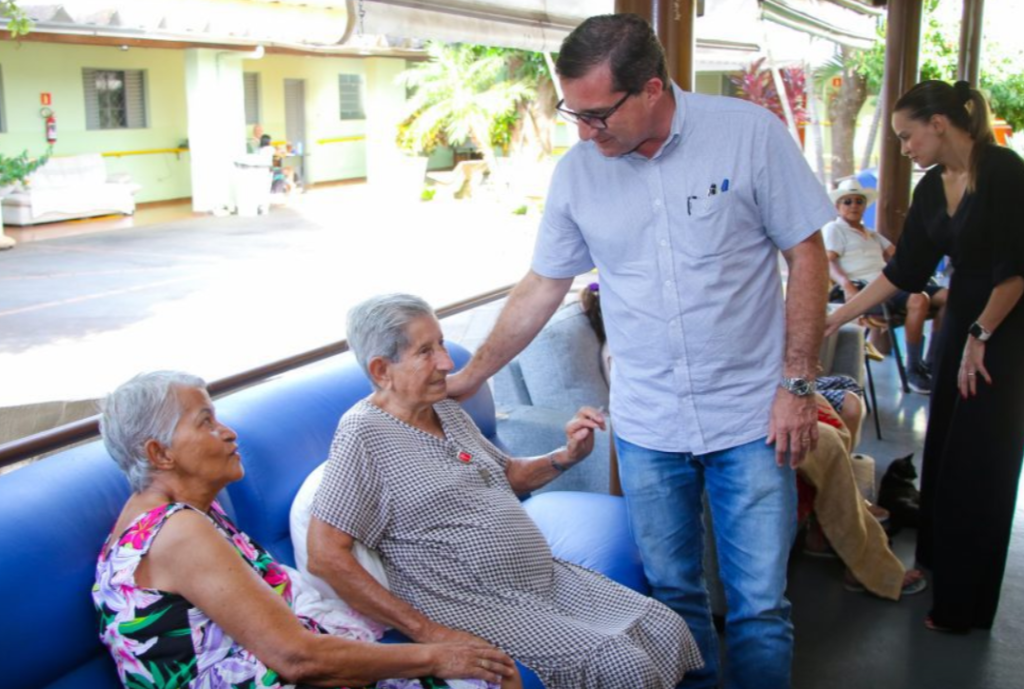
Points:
[341,139]
[145,152]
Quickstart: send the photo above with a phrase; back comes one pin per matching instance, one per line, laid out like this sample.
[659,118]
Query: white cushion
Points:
[298,522]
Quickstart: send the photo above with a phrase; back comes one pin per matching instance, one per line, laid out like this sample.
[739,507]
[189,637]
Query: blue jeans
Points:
[753,507]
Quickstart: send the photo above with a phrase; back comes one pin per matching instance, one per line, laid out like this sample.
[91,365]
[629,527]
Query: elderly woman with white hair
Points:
[412,477]
[186,599]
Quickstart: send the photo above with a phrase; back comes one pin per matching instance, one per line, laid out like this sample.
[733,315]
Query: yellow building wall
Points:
[30,69]
[336,148]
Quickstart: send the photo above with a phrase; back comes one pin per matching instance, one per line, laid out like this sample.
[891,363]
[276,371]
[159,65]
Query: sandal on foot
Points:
[930,624]
[913,582]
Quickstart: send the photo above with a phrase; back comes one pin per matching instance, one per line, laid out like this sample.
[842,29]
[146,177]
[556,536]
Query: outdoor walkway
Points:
[216,295]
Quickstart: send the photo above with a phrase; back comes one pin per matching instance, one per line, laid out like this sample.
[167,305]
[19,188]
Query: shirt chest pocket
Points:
[709,225]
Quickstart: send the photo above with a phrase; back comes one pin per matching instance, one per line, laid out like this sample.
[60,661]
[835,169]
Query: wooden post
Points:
[902,44]
[970,41]
[674,22]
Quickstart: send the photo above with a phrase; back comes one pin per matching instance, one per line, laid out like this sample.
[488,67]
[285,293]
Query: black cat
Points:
[899,495]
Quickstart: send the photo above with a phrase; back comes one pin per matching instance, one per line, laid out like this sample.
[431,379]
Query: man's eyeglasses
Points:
[854,201]
[592,120]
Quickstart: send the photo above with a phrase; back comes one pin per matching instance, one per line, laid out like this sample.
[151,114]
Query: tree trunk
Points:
[843,109]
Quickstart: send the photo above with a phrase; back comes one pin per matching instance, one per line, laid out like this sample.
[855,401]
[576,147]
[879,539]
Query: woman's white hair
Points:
[377,327]
[145,408]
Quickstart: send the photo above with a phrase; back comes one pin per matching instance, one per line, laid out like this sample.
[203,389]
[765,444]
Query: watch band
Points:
[555,464]
[979,332]
[801,387]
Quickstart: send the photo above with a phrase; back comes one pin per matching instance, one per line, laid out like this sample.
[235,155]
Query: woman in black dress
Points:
[969,206]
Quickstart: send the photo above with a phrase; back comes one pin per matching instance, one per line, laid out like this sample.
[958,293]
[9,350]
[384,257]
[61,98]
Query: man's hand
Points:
[461,385]
[793,427]
[579,433]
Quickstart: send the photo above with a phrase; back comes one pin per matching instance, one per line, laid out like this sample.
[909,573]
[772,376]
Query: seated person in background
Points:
[846,518]
[186,598]
[411,476]
[856,256]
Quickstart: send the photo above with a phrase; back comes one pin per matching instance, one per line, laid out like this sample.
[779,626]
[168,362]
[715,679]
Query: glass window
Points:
[350,88]
[114,99]
[251,86]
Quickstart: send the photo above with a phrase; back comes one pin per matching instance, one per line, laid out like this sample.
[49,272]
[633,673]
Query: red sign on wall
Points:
[45,99]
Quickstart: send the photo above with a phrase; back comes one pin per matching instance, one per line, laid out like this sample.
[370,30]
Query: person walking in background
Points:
[968,206]
[857,255]
[683,202]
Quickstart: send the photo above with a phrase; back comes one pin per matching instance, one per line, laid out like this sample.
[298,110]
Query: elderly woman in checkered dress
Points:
[411,476]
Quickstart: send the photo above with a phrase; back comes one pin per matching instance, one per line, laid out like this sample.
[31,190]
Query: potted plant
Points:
[14,171]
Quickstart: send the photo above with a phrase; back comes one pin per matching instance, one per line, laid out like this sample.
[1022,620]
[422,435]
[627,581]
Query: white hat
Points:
[851,187]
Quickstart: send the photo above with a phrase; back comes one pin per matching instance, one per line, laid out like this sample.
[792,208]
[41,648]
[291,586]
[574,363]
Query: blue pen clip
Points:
[725,184]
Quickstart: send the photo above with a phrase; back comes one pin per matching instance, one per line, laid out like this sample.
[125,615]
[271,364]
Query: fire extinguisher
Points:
[51,129]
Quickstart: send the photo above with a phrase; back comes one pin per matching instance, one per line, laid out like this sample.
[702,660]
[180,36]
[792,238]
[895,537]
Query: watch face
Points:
[978,332]
[798,386]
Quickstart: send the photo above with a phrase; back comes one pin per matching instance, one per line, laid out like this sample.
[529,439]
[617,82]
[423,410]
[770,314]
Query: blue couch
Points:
[55,514]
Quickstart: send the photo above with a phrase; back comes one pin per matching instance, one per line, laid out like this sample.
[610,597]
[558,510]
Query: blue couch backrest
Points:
[56,513]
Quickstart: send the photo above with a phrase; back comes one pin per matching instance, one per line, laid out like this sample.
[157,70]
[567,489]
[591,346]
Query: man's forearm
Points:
[529,307]
[806,298]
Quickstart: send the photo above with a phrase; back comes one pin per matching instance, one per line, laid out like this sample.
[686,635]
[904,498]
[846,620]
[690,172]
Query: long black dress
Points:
[973,447]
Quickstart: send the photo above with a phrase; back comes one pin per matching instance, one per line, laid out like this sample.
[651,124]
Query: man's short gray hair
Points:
[145,408]
[377,326]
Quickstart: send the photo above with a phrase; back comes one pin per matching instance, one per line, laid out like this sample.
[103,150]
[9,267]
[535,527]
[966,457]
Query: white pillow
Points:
[298,523]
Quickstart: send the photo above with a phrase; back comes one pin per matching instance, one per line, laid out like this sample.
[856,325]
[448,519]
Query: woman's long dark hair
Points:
[964,107]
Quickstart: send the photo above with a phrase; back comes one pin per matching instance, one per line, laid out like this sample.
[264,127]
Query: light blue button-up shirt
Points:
[686,244]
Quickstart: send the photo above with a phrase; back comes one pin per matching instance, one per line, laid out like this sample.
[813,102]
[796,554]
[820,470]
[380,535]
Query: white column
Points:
[385,105]
[216,125]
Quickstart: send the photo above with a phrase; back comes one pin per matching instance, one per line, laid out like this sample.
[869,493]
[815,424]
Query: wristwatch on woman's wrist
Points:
[978,332]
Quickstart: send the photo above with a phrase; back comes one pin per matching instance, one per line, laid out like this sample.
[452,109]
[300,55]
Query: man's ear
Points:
[380,369]
[157,455]
[654,88]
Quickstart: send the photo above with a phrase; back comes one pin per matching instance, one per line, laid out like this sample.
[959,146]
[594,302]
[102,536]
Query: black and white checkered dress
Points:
[458,546]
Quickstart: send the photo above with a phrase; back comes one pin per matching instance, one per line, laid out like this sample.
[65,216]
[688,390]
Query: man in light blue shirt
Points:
[683,203]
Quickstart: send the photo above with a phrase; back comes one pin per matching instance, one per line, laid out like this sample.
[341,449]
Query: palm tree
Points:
[459,95]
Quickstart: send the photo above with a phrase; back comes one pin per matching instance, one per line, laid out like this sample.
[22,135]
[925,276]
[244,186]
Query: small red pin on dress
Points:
[465,456]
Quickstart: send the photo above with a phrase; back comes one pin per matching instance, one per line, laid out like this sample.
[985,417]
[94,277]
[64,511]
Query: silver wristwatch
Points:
[801,387]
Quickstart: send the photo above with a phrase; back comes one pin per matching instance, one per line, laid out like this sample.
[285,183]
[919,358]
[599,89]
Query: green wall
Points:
[31,68]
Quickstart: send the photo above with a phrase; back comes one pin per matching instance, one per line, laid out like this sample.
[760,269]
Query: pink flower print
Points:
[279,580]
[126,652]
[244,547]
[139,533]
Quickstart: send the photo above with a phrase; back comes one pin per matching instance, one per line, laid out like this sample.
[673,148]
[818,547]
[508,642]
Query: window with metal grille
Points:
[350,88]
[114,99]
[251,86]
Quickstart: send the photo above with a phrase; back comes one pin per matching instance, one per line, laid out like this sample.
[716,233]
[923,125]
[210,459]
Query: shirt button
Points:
[657,202]
[664,242]
[668,283]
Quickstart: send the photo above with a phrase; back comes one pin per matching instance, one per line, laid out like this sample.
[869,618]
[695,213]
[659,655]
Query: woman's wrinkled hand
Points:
[579,432]
[464,661]
[972,366]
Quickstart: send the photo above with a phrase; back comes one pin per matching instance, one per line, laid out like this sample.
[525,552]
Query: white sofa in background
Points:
[69,187]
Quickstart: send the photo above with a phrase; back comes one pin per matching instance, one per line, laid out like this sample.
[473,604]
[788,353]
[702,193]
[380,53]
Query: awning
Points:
[730,33]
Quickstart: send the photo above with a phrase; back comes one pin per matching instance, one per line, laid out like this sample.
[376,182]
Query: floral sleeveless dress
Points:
[159,640]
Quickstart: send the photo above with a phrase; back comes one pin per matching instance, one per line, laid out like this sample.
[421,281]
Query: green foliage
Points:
[428,194]
[18,23]
[1001,70]
[463,93]
[14,170]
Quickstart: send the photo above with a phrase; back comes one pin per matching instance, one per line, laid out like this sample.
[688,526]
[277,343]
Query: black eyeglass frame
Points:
[599,122]
[851,200]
